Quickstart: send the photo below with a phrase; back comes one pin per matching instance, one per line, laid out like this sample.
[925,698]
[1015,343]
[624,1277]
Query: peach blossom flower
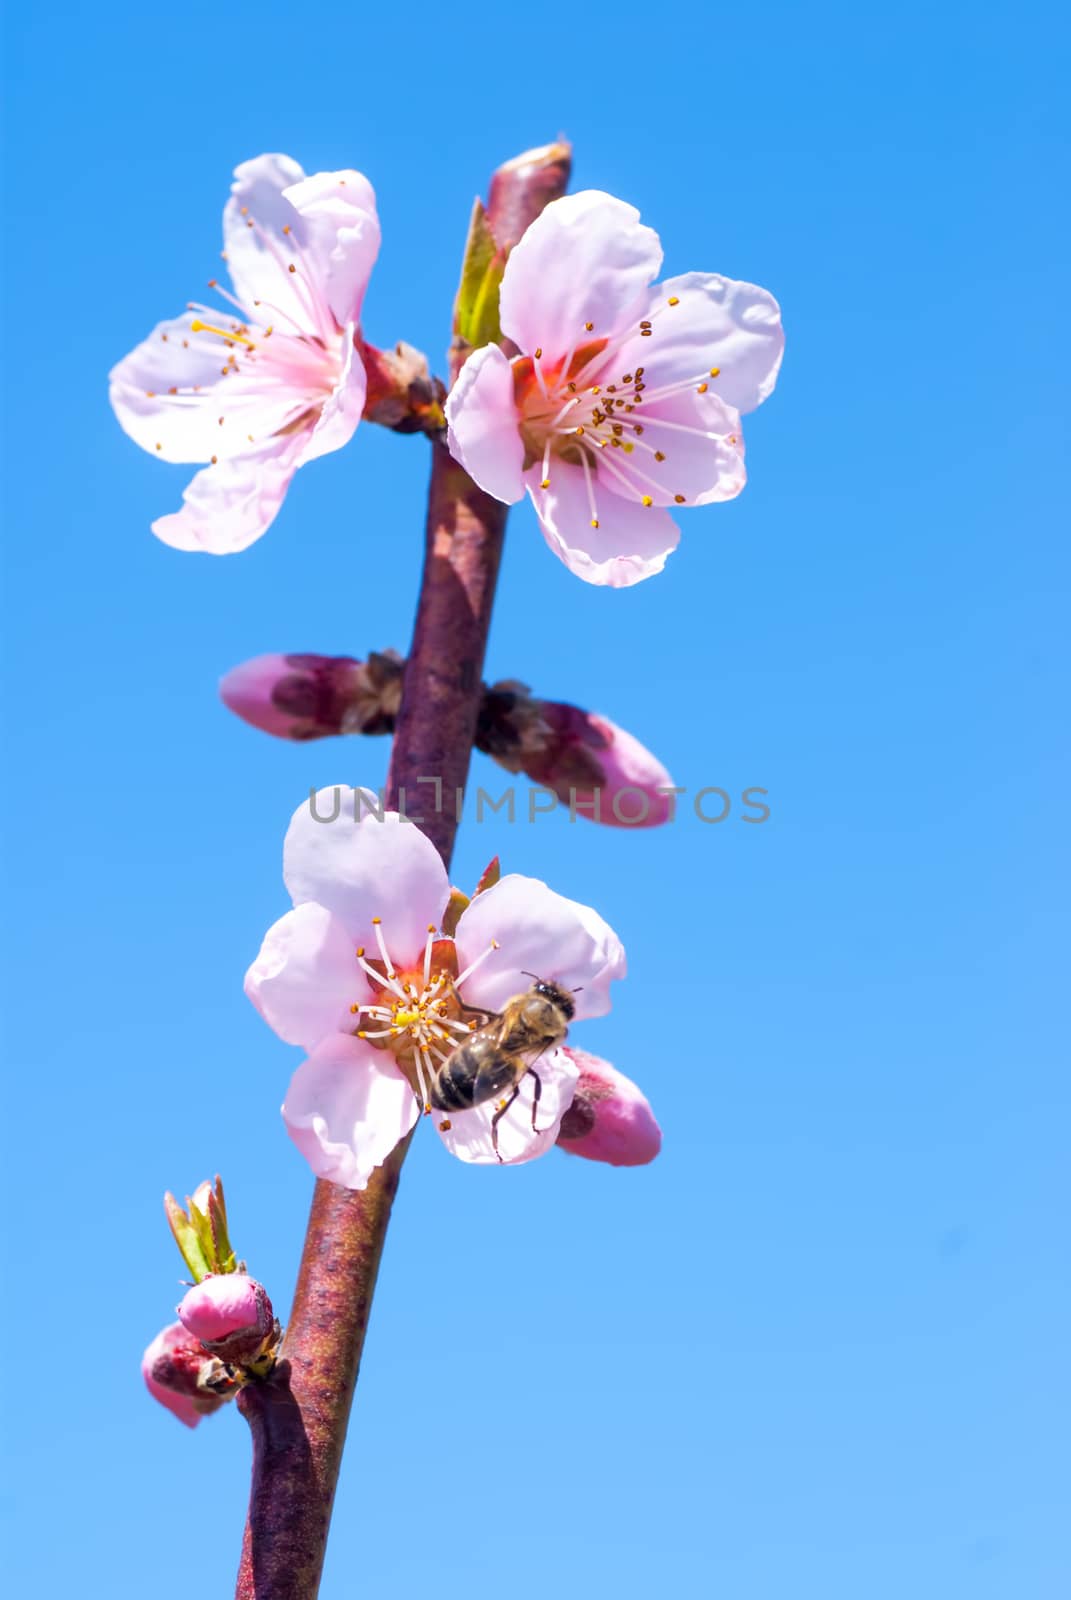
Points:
[359,975]
[625,399]
[261,388]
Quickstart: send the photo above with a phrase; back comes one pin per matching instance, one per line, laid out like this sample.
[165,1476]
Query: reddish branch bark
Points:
[298,1417]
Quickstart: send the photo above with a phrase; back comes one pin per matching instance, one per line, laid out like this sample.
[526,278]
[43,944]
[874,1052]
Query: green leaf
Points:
[476,307]
[186,1237]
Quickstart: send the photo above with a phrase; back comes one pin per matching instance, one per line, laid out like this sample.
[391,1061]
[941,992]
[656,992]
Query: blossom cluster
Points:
[615,402]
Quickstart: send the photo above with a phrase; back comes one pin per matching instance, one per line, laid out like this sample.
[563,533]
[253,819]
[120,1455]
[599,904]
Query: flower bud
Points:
[596,768]
[184,1377]
[311,696]
[609,1119]
[231,1315]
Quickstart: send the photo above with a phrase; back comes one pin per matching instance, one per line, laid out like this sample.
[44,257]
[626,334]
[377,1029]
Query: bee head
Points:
[554,992]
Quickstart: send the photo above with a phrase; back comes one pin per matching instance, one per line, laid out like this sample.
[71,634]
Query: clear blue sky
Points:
[818,1351]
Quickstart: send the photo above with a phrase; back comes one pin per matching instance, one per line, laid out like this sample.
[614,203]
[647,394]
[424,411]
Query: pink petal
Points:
[701,440]
[227,506]
[610,1119]
[718,322]
[482,421]
[343,407]
[586,258]
[365,868]
[538,932]
[342,236]
[469,1135]
[631,542]
[257,251]
[306,976]
[186,426]
[347,1108]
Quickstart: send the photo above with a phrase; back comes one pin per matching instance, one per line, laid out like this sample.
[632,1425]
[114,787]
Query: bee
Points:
[500,1054]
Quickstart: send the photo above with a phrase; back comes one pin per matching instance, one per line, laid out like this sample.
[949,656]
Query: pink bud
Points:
[609,1119]
[230,1314]
[606,774]
[184,1377]
[295,696]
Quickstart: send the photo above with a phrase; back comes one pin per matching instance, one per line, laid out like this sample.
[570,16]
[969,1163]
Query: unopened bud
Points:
[610,1119]
[184,1377]
[600,771]
[311,696]
[232,1317]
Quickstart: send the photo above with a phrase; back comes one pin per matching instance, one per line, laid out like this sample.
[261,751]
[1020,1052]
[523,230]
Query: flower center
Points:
[585,411]
[418,1013]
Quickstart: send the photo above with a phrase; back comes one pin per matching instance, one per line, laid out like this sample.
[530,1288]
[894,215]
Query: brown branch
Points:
[298,1418]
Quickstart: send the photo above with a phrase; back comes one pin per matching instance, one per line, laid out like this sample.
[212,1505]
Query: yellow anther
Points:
[197,326]
[647,501]
[679,498]
[715,372]
[702,389]
[674,300]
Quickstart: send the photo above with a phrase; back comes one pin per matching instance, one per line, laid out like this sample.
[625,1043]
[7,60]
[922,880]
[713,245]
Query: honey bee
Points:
[500,1054]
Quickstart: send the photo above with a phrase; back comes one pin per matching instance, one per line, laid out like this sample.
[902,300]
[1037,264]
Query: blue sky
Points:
[818,1350]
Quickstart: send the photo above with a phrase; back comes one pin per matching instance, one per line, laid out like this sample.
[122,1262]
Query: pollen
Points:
[445,1125]
[715,372]
[588,326]
[647,501]
[674,300]
[594,522]
[659,455]
[545,483]
[679,498]
[702,389]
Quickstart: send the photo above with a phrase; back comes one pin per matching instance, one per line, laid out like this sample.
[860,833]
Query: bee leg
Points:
[497,1118]
[536,1092]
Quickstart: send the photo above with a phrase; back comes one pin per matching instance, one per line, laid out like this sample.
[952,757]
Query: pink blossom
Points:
[272,380]
[610,1119]
[183,1376]
[625,398]
[230,1314]
[358,975]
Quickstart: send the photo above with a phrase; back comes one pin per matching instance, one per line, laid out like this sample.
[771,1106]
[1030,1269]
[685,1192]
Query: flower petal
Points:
[185,425]
[306,976]
[537,931]
[360,867]
[717,322]
[228,505]
[586,259]
[342,236]
[702,447]
[610,1119]
[257,252]
[343,407]
[481,416]
[346,1109]
[469,1134]
[631,542]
